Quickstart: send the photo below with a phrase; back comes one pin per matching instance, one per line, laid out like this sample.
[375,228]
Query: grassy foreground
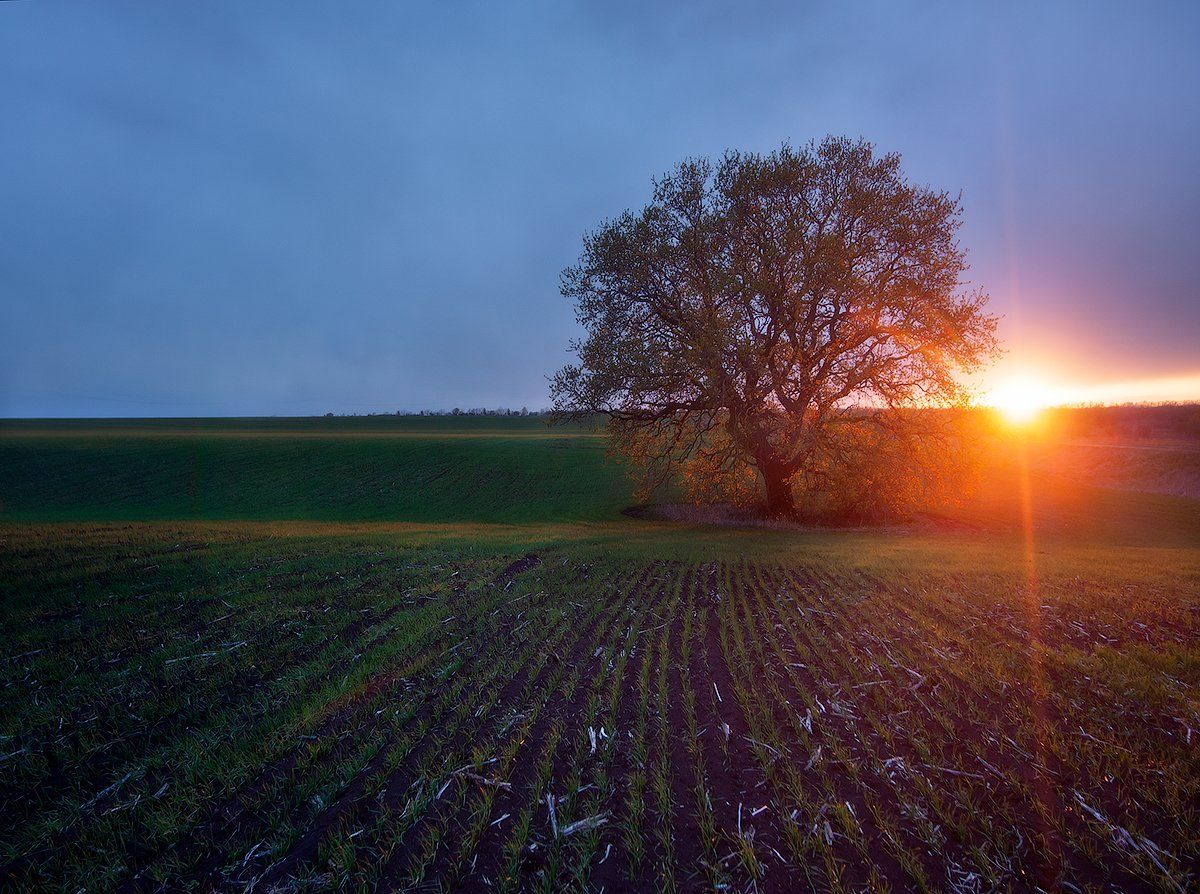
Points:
[381,655]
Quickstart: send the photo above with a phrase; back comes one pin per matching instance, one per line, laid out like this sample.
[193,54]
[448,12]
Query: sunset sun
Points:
[1020,400]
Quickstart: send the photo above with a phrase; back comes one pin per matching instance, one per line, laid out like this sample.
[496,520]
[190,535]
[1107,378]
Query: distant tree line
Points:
[1164,421]
[456,411]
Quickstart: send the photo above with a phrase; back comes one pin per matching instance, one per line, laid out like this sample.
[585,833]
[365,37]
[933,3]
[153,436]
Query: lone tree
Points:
[779,325]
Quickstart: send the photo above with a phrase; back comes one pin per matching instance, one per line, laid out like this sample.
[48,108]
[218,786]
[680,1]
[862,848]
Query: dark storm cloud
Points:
[291,207]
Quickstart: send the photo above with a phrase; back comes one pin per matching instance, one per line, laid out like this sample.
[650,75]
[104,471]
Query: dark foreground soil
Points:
[435,721]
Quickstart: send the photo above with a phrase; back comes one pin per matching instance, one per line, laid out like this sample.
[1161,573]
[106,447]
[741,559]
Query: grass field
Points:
[343,469]
[396,654]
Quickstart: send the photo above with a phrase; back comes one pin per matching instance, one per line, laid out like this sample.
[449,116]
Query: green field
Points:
[339,469]
[417,654]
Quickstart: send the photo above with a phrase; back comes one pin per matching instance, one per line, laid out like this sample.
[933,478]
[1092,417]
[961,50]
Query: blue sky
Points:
[268,207]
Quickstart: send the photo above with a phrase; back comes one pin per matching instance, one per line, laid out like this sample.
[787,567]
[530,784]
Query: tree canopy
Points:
[777,327]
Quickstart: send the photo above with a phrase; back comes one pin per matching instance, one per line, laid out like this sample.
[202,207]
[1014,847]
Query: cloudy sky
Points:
[293,207]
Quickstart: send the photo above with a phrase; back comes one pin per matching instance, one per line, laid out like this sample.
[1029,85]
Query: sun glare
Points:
[1020,400]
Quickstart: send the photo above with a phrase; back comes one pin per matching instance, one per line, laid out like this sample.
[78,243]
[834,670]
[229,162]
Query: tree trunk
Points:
[780,503]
